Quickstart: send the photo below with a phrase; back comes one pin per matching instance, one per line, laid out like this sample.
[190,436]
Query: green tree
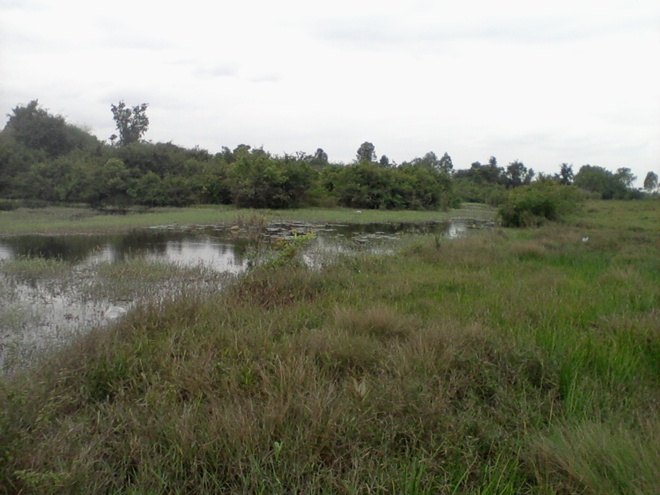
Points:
[366,152]
[320,158]
[651,182]
[446,165]
[480,174]
[36,129]
[430,160]
[63,179]
[481,183]
[601,181]
[518,175]
[16,161]
[258,180]
[131,123]
[384,161]
[626,177]
[566,175]
[109,185]
[363,185]
[429,188]
[160,158]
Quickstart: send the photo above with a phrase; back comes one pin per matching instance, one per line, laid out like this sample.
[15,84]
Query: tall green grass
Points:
[507,362]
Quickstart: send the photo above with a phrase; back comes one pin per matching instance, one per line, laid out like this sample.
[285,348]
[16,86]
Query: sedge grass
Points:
[507,362]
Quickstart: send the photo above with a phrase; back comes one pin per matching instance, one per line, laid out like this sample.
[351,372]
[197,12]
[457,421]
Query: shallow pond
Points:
[220,248]
[53,287]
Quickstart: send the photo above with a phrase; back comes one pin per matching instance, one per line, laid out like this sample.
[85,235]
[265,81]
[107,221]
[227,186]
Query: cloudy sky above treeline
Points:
[543,82]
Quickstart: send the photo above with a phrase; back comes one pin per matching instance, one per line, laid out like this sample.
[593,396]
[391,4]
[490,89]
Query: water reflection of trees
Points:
[231,250]
[67,248]
[140,241]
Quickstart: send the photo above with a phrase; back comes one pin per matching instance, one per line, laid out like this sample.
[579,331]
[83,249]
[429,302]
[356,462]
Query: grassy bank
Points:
[86,220]
[507,362]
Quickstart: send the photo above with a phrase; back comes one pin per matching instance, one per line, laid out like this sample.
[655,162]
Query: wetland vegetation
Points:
[54,287]
[508,361]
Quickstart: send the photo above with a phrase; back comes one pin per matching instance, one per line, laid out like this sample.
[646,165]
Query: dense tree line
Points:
[42,157]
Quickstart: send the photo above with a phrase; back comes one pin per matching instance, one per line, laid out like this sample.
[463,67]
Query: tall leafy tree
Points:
[36,129]
[651,182]
[517,174]
[599,180]
[131,123]
[446,165]
[626,177]
[320,158]
[384,161]
[366,152]
[430,159]
[565,174]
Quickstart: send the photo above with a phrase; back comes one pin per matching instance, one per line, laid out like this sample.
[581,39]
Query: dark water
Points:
[220,250]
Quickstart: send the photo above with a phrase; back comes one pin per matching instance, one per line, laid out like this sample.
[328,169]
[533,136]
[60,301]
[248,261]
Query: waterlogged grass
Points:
[507,362]
[80,220]
[139,278]
[33,268]
[45,303]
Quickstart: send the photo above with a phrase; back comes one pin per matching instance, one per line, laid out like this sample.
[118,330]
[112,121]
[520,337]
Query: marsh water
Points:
[54,287]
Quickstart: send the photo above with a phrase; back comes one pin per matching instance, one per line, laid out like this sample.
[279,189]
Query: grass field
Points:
[507,362]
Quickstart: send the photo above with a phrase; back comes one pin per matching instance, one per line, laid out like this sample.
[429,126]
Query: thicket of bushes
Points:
[59,162]
[45,159]
[537,203]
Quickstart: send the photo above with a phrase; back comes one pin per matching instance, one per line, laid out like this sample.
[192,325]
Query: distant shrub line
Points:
[45,159]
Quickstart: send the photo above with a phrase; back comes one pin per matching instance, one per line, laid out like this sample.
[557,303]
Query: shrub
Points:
[533,205]
[7,205]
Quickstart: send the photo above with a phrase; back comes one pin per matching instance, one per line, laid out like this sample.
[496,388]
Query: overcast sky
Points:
[543,82]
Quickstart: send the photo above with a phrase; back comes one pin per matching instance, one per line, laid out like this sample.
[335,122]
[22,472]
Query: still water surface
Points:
[219,249]
[39,314]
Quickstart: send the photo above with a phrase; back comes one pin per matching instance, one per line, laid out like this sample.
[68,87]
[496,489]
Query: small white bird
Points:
[114,312]
[585,239]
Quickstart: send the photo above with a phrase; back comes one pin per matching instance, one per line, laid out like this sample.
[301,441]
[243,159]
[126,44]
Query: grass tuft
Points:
[594,458]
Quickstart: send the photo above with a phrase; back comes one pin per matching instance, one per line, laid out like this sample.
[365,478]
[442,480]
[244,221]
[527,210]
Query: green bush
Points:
[532,205]
[7,205]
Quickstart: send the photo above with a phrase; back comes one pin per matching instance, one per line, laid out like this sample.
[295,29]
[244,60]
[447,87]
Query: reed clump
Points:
[498,364]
